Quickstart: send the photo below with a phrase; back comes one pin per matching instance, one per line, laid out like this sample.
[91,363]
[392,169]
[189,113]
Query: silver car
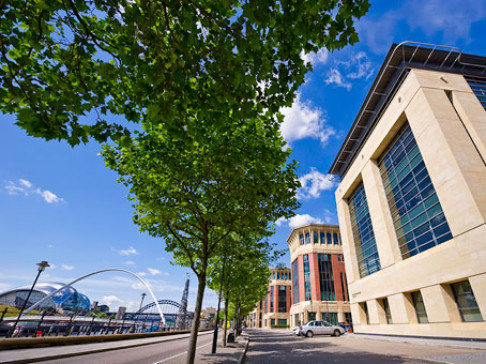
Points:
[312,328]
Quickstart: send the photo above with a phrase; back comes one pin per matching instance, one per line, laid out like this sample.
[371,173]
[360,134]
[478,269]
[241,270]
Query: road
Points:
[172,352]
[278,347]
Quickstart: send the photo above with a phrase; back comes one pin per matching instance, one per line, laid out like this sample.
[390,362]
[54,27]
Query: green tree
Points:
[201,181]
[69,67]
[245,268]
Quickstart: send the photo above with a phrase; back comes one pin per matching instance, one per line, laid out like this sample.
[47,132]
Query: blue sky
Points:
[63,205]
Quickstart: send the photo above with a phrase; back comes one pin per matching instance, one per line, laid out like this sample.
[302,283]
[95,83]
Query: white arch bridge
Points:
[161,308]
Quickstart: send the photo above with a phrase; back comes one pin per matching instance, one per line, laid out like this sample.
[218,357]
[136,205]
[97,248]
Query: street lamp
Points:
[42,266]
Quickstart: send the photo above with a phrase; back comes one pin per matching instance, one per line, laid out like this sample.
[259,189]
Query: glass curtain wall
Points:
[295,280]
[326,279]
[282,299]
[364,237]
[307,278]
[419,221]
[479,89]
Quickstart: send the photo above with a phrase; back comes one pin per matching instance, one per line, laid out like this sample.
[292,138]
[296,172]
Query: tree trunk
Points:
[191,351]
[238,318]
[226,307]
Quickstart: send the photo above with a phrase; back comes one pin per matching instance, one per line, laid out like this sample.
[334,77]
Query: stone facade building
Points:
[412,197]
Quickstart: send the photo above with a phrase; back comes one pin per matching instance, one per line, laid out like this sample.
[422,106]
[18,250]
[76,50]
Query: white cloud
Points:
[299,220]
[364,67]
[449,20]
[320,57]
[109,300]
[48,196]
[334,77]
[313,183]
[142,274]
[50,246]
[153,271]
[25,183]
[26,188]
[356,67]
[302,120]
[67,267]
[123,279]
[130,262]
[330,217]
[130,251]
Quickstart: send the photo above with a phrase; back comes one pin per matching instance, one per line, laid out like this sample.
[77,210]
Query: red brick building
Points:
[319,288]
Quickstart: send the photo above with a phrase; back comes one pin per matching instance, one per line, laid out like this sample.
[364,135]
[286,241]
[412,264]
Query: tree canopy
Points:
[68,67]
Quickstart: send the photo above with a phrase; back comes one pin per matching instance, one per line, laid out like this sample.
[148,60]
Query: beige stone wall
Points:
[449,125]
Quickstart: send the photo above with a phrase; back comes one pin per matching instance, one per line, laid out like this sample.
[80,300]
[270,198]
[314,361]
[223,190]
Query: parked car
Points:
[295,331]
[312,328]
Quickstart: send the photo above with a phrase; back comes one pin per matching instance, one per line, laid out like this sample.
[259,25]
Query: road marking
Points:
[175,356]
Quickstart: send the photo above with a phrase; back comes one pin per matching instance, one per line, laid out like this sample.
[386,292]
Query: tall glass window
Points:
[364,237]
[271,298]
[282,299]
[328,238]
[316,238]
[479,88]
[417,214]
[323,238]
[335,238]
[418,304]
[307,238]
[466,302]
[295,280]
[301,237]
[307,280]
[326,279]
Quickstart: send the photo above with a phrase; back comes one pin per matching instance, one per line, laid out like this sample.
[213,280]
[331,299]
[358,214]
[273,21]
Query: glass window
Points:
[335,238]
[307,280]
[295,280]
[282,299]
[328,238]
[272,322]
[271,298]
[419,221]
[316,238]
[323,238]
[326,279]
[301,237]
[418,304]
[386,308]
[312,316]
[466,302]
[307,238]
[330,317]
[364,238]
[479,88]
[282,322]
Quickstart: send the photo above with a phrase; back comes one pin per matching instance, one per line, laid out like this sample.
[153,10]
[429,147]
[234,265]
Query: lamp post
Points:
[42,266]
[139,311]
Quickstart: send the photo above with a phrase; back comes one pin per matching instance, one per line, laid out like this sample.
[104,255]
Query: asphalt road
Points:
[278,347]
[172,352]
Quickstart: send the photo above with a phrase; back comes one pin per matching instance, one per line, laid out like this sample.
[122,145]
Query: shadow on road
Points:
[281,348]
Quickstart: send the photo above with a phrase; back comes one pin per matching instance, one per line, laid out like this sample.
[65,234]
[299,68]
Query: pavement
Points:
[278,346]
[233,353]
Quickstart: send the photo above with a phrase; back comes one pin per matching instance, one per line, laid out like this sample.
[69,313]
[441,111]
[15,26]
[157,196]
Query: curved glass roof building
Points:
[66,302]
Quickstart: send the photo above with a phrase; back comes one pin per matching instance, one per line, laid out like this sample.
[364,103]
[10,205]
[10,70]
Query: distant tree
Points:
[281,266]
[74,69]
